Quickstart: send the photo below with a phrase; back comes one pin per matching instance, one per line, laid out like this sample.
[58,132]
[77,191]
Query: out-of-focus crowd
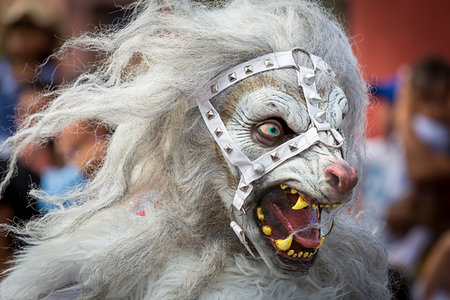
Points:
[408,180]
[408,170]
[30,32]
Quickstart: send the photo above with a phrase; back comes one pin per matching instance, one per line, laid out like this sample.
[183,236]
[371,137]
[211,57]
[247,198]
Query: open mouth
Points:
[290,221]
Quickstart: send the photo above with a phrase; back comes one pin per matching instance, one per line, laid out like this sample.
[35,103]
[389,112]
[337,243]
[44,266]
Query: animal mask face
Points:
[278,139]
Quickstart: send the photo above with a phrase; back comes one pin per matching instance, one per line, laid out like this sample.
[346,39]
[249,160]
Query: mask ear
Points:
[337,108]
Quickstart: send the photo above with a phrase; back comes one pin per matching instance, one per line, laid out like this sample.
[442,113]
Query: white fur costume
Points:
[184,248]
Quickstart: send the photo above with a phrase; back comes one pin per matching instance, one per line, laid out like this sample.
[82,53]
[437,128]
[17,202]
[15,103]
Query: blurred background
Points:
[403,50]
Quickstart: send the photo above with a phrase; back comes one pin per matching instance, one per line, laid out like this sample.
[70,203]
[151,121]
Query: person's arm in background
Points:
[435,276]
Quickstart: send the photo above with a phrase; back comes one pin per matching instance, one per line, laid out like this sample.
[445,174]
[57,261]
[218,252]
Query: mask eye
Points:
[269,132]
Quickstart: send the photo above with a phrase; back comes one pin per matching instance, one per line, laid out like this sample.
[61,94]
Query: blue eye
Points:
[269,132]
[270,129]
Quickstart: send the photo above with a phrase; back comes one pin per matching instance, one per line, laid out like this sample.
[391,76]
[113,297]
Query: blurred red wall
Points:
[391,33]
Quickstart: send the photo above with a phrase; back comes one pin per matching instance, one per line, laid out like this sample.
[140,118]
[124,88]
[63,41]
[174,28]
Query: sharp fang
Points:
[290,252]
[321,241]
[283,186]
[293,191]
[284,245]
[267,230]
[301,203]
[305,255]
[259,214]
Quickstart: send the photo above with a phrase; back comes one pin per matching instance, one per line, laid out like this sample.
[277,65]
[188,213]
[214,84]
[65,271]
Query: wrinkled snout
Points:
[341,177]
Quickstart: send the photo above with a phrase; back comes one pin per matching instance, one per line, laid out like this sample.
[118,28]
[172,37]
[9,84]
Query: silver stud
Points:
[244,188]
[248,69]
[275,156]
[218,132]
[228,149]
[315,98]
[210,114]
[259,168]
[268,63]
[309,79]
[320,116]
[293,147]
[214,88]
[232,77]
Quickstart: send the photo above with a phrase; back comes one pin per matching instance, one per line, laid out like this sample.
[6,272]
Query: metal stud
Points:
[315,98]
[320,116]
[218,132]
[214,88]
[248,69]
[293,147]
[210,114]
[268,63]
[244,188]
[228,149]
[275,156]
[232,77]
[309,79]
[258,168]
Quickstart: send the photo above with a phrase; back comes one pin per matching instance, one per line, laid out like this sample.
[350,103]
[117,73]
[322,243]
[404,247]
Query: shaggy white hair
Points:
[184,247]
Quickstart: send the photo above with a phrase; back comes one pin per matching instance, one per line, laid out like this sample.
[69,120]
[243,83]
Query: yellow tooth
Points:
[294,191]
[315,251]
[301,203]
[267,230]
[321,241]
[285,244]
[283,186]
[335,206]
[259,214]
[295,255]
[290,252]
[300,254]
[314,206]
[311,254]
[305,255]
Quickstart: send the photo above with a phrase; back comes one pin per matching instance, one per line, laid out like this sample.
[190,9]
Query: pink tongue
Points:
[298,221]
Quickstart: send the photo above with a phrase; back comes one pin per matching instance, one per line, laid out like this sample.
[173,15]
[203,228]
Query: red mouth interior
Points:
[302,224]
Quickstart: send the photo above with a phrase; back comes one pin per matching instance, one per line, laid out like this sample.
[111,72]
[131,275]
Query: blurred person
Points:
[422,121]
[36,157]
[29,37]
[81,147]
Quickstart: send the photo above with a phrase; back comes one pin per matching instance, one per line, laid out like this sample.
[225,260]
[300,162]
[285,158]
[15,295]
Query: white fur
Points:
[184,247]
